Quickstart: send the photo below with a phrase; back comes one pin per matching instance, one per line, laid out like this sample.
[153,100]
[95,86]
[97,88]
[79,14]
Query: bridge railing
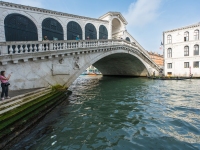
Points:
[12,48]
[25,47]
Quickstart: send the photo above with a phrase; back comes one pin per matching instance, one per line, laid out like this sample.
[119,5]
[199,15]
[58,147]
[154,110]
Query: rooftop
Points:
[7,4]
[185,27]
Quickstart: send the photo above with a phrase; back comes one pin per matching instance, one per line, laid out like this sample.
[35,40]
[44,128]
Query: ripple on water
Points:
[125,114]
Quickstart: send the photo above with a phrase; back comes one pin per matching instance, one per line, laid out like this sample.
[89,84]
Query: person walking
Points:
[88,38]
[4,85]
[77,37]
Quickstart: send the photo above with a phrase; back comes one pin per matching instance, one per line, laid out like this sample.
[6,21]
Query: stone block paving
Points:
[20,92]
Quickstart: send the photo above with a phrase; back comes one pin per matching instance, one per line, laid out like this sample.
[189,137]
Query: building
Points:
[181,51]
[157,58]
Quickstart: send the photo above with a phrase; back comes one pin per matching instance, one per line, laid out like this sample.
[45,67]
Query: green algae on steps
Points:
[28,109]
[33,112]
[21,111]
[13,112]
[23,100]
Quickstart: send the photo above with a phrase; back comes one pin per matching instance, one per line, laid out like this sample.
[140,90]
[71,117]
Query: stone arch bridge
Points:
[36,63]
[43,63]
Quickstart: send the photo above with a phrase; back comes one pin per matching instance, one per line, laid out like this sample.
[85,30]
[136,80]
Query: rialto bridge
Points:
[61,59]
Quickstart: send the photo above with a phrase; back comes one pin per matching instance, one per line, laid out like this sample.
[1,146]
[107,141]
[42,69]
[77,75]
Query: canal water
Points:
[112,113]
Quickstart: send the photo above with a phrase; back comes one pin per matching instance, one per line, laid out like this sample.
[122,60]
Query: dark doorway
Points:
[20,28]
[103,32]
[90,31]
[128,39]
[52,29]
[73,29]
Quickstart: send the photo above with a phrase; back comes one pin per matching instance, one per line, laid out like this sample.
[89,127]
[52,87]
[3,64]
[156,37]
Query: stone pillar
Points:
[40,38]
[110,28]
[83,32]
[65,33]
[2,35]
[97,27]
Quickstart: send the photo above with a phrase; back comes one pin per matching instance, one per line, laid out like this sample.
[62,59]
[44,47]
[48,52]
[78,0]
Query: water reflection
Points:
[124,113]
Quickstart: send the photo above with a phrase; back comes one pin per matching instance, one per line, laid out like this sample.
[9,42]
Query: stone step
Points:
[22,99]
[21,96]
[22,103]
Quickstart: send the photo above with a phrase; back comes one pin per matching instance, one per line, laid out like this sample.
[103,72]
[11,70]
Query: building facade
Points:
[157,58]
[181,51]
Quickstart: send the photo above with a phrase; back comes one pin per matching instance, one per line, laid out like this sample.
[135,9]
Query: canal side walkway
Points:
[20,92]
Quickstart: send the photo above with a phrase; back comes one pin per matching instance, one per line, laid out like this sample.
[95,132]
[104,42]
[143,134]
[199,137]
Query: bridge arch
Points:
[110,55]
[116,25]
[52,29]
[74,29]
[8,12]
[90,31]
[20,28]
[103,32]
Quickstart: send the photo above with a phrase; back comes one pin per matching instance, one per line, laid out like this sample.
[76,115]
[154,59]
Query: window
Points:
[196,64]
[169,39]
[169,65]
[169,53]
[186,64]
[186,51]
[196,49]
[196,34]
[186,36]
[169,73]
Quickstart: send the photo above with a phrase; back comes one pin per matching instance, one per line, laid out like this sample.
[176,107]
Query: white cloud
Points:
[142,12]
[35,3]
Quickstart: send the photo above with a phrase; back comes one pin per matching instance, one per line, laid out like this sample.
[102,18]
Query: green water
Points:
[109,113]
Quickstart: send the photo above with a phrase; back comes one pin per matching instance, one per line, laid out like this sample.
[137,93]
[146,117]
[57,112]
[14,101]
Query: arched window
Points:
[73,30]
[128,39]
[169,39]
[52,29]
[186,36]
[103,32]
[90,31]
[196,34]
[186,51]
[20,28]
[169,53]
[196,49]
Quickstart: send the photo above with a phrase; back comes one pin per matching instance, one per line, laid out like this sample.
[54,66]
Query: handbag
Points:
[7,84]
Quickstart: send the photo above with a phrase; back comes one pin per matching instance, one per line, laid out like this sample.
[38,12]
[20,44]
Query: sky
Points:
[147,19]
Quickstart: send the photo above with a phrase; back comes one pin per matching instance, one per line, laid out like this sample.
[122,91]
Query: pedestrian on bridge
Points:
[77,38]
[4,85]
[88,38]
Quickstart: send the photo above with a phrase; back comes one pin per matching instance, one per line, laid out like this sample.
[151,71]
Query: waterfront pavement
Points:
[20,92]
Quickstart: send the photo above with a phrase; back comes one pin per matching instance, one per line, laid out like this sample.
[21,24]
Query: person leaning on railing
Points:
[4,85]
[45,39]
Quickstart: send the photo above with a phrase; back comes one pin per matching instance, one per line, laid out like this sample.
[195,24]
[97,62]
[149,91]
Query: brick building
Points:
[157,58]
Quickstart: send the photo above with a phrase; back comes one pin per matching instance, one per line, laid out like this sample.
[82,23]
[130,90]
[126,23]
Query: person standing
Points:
[77,37]
[4,85]
[45,38]
[88,38]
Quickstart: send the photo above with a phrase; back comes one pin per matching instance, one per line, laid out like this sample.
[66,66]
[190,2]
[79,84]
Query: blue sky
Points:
[147,18]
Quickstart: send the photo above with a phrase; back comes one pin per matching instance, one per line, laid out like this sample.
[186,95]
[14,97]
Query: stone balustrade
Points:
[26,49]
[12,48]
